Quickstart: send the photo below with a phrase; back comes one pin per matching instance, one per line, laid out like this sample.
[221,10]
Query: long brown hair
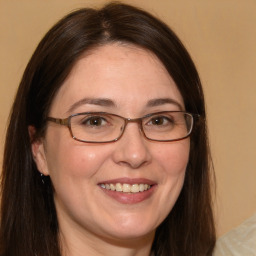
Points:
[29,223]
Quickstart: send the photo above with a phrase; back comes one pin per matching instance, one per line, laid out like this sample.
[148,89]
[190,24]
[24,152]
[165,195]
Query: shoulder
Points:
[239,241]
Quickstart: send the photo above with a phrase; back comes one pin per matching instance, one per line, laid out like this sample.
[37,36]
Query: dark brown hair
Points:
[29,223]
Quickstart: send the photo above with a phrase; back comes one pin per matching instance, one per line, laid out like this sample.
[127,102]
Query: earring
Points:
[42,178]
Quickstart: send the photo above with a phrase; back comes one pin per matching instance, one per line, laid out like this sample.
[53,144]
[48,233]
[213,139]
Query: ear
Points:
[38,151]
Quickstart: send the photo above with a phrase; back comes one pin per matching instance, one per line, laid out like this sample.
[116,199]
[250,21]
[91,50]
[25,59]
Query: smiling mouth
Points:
[126,188]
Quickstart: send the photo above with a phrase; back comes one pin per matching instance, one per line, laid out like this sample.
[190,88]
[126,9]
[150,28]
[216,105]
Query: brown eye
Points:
[157,121]
[94,121]
[160,120]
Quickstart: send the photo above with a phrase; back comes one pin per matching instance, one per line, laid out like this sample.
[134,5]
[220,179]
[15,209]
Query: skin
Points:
[91,222]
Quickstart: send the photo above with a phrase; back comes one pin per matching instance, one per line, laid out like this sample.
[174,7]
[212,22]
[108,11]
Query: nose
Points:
[132,149]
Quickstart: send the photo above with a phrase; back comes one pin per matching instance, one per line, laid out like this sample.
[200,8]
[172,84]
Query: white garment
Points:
[240,241]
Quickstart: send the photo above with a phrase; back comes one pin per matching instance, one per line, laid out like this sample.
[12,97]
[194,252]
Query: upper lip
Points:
[126,180]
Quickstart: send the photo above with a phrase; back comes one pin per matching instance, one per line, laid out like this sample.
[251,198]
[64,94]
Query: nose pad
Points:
[132,149]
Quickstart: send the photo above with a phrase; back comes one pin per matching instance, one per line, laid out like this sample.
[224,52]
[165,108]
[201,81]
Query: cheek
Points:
[67,157]
[174,157]
[172,160]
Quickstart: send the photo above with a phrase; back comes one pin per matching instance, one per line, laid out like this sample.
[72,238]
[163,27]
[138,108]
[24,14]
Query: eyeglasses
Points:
[102,127]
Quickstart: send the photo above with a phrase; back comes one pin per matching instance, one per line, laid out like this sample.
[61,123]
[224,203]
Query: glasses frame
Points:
[67,122]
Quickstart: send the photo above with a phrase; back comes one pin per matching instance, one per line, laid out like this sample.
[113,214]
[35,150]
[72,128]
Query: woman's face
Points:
[131,82]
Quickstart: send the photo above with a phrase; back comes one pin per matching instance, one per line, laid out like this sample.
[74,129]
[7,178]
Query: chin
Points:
[135,230]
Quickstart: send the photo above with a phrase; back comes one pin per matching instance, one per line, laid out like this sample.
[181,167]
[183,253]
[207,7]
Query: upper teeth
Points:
[126,188]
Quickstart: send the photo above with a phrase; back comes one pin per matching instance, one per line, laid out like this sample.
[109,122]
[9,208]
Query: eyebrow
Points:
[104,102]
[162,101]
[97,101]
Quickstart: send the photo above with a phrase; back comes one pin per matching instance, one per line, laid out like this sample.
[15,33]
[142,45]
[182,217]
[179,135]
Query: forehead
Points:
[126,74]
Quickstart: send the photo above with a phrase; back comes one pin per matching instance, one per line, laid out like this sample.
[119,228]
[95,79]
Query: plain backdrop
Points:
[221,38]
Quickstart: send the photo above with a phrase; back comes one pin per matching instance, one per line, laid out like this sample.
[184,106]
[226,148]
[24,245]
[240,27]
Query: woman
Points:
[106,151]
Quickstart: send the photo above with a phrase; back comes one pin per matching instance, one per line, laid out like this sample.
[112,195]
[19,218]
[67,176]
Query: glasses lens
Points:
[167,126]
[96,127]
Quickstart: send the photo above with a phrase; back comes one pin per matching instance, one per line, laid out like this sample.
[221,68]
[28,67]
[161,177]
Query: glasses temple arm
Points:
[59,121]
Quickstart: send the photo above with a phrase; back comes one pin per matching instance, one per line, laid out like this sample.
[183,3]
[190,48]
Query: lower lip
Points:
[130,198]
